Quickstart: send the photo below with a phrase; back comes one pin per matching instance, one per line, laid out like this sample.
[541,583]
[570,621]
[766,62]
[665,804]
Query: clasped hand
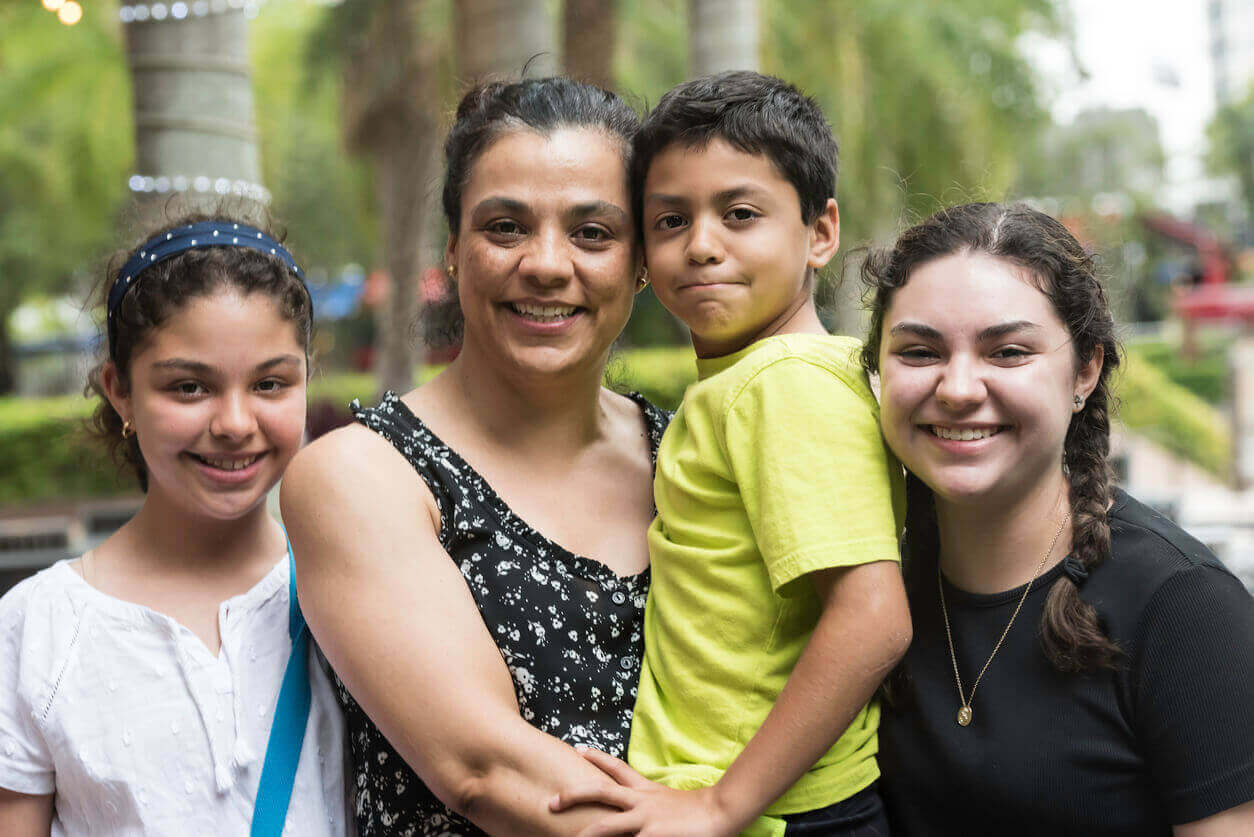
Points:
[646,808]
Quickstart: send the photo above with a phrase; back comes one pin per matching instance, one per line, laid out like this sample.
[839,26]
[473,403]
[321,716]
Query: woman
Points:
[485,612]
[1080,664]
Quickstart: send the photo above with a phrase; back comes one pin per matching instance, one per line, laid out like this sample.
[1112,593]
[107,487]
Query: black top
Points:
[1167,739]
[570,630]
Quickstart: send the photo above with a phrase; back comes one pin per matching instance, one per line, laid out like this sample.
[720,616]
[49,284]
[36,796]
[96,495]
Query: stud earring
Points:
[642,279]
[1079,403]
[451,270]
[127,430]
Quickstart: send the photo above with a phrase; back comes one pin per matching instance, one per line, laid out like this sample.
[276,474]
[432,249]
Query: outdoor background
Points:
[1131,120]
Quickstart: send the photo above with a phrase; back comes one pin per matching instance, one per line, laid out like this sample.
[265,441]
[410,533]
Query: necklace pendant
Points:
[964,716]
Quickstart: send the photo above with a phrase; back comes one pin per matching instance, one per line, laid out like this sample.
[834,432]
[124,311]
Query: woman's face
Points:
[546,257]
[217,402]
[978,380]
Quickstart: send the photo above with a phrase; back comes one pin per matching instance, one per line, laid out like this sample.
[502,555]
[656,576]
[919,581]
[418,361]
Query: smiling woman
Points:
[1109,649]
[472,554]
[140,680]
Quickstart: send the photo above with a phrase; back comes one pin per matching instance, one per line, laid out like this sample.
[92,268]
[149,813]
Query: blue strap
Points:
[287,733]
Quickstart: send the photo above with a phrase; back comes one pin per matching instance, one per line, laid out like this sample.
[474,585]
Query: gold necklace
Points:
[964,713]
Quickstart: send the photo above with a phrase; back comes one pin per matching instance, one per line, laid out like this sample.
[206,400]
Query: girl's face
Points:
[217,402]
[546,256]
[978,380]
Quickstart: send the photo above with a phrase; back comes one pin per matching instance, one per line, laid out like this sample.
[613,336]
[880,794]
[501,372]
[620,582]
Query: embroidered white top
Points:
[139,729]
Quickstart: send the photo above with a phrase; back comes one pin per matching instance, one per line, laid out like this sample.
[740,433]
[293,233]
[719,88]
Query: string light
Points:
[223,186]
[183,9]
[70,13]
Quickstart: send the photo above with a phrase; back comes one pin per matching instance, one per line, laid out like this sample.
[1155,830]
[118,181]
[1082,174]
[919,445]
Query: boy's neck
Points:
[800,317]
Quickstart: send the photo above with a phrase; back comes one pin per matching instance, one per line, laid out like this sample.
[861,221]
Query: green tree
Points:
[1231,146]
[63,160]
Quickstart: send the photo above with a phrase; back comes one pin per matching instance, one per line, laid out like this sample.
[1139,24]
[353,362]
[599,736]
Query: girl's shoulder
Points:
[40,618]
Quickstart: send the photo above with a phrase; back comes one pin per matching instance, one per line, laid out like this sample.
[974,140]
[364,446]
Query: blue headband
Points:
[169,244]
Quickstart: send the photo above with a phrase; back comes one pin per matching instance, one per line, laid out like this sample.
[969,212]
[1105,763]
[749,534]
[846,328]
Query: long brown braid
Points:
[1072,636]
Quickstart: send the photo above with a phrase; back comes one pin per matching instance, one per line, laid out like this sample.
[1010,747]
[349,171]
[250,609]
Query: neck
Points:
[800,317]
[167,537]
[990,549]
[561,410]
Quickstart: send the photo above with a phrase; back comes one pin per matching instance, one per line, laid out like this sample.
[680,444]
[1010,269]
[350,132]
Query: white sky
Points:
[1130,49]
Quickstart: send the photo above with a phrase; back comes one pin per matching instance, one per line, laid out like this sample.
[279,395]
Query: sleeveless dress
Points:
[568,628]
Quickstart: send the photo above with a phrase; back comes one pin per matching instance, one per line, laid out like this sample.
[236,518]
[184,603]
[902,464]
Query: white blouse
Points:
[139,729]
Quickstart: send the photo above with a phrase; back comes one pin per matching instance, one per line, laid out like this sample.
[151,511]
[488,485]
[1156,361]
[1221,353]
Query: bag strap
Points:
[287,733]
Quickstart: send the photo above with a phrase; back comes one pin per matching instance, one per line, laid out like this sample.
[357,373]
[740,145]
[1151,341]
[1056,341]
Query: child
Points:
[776,604]
[139,681]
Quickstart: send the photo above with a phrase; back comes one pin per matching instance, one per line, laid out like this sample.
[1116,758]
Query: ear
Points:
[1088,374]
[824,235]
[450,249]
[116,390]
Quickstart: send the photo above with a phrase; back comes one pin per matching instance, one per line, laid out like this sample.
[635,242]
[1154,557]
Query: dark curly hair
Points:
[1071,635]
[162,290]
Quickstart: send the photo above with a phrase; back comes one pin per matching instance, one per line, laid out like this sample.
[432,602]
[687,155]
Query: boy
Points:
[776,605]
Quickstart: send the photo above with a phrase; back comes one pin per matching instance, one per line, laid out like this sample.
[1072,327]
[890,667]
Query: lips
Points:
[965,434]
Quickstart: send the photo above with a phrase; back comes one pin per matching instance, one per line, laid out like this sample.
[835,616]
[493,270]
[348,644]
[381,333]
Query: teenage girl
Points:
[1080,664]
[138,683]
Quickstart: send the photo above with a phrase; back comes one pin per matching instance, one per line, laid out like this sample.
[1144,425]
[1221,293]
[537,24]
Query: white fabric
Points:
[139,729]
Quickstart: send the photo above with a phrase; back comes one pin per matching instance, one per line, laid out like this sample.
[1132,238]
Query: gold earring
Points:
[127,430]
[642,279]
[451,270]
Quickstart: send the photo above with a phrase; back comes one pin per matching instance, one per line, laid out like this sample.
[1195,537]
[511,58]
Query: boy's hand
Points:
[647,808]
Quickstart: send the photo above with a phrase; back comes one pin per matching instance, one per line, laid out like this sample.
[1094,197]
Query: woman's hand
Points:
[647,808]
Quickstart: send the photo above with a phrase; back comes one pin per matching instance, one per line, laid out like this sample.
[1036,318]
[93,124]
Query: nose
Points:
[704,246]
[960,386]
[233,417]
[546,260]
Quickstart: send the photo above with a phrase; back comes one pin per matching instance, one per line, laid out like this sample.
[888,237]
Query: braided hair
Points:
[1071,634]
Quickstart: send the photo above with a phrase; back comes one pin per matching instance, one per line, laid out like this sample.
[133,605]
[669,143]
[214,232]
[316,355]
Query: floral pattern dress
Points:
[568,628]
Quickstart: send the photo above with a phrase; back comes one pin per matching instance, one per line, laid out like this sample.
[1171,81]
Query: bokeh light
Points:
[53,5]
[70,12]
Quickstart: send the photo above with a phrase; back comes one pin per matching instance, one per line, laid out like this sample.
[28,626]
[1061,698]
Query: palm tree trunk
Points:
[588,36]
[504,37]
[193,102]
[722,35]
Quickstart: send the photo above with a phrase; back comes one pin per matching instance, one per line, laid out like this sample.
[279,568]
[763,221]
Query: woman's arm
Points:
[24,815]
[1235,822]
[863,631]
[394,616]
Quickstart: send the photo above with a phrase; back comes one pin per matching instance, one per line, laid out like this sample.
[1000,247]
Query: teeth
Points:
[965,434]
[543,313]
[230,464]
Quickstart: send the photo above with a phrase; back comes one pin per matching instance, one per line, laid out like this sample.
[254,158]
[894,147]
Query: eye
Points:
[592,234]
[505,228]
[669,221]
[1012,354]
[271,385]
[741,214]
[917,355]
[188,389]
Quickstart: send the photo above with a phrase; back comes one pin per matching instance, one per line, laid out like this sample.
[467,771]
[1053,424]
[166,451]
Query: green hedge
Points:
[44,454]
[1206,376]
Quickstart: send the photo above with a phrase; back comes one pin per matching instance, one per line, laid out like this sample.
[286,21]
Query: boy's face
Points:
[726,245]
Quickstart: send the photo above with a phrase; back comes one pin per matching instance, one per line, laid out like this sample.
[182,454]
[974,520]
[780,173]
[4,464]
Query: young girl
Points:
[1080,665]
[138,683]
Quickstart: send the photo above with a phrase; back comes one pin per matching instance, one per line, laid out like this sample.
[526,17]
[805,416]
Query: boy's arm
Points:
[863,631]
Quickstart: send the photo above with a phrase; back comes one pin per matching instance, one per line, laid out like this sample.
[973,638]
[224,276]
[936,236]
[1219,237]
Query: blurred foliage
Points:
[1207,375]
[65,144]
[1231,146]
[72,466]
[1118,152]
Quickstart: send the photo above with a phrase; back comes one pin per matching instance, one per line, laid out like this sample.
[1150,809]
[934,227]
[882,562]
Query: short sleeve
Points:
[25,760]
[1193,682]
[819,487]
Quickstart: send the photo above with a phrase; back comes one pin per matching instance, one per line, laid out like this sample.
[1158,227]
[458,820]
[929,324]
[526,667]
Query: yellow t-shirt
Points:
[773,467]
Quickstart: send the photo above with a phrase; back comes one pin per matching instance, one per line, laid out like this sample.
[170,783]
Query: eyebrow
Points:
[195,367]
[591,208]
[500,203]
[926,332]
[725,196]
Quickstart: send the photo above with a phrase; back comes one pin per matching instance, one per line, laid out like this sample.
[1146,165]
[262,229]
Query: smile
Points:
[227,463]
[964,434]
[542,313]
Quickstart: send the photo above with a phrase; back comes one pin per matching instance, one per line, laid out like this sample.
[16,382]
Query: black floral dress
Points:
[570,630]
